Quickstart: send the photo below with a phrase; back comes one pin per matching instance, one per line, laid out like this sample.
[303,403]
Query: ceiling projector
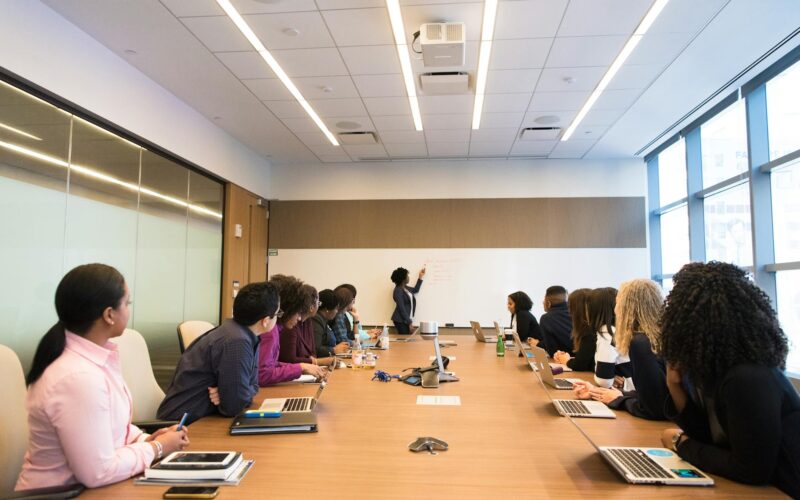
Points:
[443,44]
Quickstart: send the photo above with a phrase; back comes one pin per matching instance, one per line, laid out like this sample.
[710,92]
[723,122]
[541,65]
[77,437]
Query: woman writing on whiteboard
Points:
[404,300]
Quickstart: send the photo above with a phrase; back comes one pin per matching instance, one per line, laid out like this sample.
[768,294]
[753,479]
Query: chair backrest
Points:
[188,331]
[138,374]
[13,420]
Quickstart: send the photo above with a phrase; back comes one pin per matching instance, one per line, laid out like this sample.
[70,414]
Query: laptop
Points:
[583,408]
[644,465]
[410,337]
[479,336]
[292,405]
[546,371]
[501,333]
[523,353]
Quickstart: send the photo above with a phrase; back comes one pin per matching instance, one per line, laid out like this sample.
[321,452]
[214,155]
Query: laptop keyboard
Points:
[574,407]
[639,464]
[296,404]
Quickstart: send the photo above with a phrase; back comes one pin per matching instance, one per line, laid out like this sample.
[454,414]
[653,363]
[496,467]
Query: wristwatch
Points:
[676,439]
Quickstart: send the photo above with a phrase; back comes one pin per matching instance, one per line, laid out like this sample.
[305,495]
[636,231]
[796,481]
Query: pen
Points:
[183,421]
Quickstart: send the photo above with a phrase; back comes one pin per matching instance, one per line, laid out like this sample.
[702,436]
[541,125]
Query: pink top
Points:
[270,370]
[79,415]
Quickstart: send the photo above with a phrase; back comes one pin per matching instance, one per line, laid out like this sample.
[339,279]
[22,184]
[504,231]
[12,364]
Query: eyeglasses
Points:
[279,313]
[319,303]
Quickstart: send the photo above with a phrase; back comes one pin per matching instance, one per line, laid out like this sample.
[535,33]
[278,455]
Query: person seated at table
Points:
[609,364]
[79,407]
[584,338]
[556,323]
[218,372]
[347,321]
[271,371]
[324,339]
[638,312]
[297,344]
[522,321]
[726,354]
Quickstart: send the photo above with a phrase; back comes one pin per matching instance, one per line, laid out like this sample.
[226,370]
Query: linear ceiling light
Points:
[89,172]
[487,33]
[405,60]
[248,33]
[634,40]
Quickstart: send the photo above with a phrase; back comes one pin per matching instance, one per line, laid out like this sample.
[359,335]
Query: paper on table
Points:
[451,358]
[439,400]
[305,378]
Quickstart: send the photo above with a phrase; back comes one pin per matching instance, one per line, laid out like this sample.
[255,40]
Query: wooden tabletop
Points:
[506,440]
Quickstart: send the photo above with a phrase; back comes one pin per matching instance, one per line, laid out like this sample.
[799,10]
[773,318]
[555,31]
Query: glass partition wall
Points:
[73,193]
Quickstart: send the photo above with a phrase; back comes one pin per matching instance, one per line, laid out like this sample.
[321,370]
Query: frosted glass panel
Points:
[101,209]
[161,255]
[204,249]
[34,144]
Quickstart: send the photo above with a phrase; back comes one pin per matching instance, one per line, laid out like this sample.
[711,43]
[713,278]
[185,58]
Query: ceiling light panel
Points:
[487,33]
[396,19]
[248,33]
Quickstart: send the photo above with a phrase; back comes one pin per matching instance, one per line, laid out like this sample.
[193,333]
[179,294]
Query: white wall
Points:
[460,179]
[462,284]
[41,46]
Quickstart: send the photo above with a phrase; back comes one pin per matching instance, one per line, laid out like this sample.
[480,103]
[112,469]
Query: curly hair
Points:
[521,301]
[715,318]
[293,299]
[581,329]
[399,275]
[639,308]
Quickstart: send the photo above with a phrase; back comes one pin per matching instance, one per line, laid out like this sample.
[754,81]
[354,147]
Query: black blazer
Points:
[403,307]
[649,378]
[527,326]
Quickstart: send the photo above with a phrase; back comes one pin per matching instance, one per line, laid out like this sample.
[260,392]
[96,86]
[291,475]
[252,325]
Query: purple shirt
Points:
[270,370]
[298,344]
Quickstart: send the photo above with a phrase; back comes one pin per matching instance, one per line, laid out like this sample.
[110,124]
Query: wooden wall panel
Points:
[611,222]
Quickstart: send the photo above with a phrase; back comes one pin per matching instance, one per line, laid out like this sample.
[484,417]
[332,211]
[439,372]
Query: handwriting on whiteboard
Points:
[442,270]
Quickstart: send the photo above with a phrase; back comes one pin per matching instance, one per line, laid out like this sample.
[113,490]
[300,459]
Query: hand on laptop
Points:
[532,341]
[373,334]
[341,348]
[213,395]
[604,395]
[315,370]
[561,357]
[581,390]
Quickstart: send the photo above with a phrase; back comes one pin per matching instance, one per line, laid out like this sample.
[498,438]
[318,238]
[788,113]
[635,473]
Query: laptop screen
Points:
[438,353]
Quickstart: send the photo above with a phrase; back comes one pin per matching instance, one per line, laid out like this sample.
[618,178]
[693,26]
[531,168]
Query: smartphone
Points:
[192,492]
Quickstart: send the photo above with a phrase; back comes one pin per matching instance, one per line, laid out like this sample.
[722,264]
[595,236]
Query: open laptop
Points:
[501,333]
[293,405]
[527,355]
[410,337]
[479,336]
[546,371]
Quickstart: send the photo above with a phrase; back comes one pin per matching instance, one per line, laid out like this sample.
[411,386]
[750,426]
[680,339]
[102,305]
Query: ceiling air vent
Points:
[443,44]
[540,133]
[444,83]
[357,138]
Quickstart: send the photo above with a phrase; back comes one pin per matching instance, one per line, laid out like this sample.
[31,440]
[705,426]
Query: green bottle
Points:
[501,346]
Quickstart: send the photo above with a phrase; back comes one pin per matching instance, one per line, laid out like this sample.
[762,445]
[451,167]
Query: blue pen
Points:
[183,421]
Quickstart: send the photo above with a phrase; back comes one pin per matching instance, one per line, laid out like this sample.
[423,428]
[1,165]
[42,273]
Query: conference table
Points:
[505,439]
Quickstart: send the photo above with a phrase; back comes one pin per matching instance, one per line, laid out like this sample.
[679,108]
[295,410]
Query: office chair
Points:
[14,433]
[138,374]
[189,331]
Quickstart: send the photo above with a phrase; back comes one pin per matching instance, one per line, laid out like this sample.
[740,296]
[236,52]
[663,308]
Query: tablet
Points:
[198,459]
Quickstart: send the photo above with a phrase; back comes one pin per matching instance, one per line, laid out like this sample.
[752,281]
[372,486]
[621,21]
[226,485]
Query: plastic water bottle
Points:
[501,346]
[385,337]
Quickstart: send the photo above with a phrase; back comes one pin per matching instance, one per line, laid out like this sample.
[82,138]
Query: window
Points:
[723,143]
[728,229]
[783,112]
[672,173]
[789,314]
[786,212]
[674,240]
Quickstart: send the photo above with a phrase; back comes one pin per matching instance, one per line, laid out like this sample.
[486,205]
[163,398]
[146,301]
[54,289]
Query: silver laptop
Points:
[293,405]
[408,338]
[546,371]
[644,465]
[583,408]
[523,353]
[479,336]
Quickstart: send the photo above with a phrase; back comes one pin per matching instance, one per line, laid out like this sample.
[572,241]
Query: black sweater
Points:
[556,328]
[584,358]
[650,380]
[759,411]
[527,326]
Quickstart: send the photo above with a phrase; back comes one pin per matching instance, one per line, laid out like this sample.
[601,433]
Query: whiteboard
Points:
[461,284]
